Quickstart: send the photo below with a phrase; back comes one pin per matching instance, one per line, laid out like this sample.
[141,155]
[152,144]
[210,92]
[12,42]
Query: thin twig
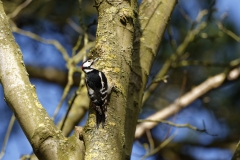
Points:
[69,108]
[76,47]
[164,79]
[173,42]
[65,92]
[19,8]
[75,26]
[79,88]
[81,84]
[55,43]
[7,136]
[80,16]
[81,53]
[82,81]
[183,86]
[72,69]
[184,82]
[79,29]
[228,32]
[150,140]
[162,145]
[204,130]
[184,14]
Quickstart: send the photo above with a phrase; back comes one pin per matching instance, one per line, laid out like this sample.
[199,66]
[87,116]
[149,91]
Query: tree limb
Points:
[46,140]
[147,40]
[51,75]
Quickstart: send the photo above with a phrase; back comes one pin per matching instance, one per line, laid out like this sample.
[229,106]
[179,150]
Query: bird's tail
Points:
[100,118]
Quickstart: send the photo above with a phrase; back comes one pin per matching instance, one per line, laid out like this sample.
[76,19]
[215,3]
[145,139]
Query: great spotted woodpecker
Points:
[98,90]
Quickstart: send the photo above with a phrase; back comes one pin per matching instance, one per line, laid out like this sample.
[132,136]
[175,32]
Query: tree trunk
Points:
[114,46]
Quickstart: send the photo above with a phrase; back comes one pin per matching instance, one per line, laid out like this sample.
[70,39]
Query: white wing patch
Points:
[90,90]
[102,82]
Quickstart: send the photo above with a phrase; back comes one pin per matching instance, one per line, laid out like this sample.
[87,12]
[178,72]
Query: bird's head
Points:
[87,64]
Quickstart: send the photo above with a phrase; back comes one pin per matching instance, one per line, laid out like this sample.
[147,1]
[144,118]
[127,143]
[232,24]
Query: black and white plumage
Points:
[98,89]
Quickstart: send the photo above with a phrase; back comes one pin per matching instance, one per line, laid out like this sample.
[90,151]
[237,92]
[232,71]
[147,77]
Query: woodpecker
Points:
[98,90]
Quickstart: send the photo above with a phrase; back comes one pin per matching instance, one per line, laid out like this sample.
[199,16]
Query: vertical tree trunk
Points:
[114,46]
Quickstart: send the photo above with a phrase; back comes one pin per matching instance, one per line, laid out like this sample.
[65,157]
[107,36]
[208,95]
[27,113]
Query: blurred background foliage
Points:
[207,55]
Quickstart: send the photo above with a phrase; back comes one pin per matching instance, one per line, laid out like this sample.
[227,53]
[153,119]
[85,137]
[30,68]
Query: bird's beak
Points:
[95,60]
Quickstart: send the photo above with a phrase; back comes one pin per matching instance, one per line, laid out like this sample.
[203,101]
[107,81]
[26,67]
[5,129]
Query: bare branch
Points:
[71,67]
[77,93]
[172,41]
[204,130]
[69,108]
[51,74]
[19,8]
[65,91]
[150,140]
[77,108]
[162,145]
[188,98]
[75,26]
[77,111]
[180,50]
[79,29]
[82,82]
[55,43]
[86,48]
[228,32]
[184,14]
